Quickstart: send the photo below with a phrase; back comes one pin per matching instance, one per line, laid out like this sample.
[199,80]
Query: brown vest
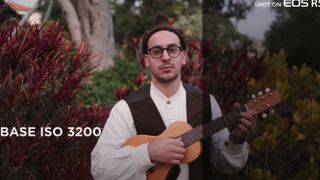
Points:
[147,120]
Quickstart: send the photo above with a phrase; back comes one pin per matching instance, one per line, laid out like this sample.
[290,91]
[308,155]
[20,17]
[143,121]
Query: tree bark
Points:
[97,27]
[72,19]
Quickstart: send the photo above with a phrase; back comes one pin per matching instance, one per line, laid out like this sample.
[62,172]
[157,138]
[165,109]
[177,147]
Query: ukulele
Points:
[191,136]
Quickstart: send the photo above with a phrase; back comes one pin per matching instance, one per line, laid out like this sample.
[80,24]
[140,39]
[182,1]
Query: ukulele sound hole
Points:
[151,170]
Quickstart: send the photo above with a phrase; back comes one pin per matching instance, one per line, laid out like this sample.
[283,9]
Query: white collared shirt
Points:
[109,160]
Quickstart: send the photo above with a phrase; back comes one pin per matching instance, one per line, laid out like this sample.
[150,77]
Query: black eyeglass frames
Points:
[156,52]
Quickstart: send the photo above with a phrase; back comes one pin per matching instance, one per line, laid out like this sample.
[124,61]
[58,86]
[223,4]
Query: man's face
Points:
[167,67]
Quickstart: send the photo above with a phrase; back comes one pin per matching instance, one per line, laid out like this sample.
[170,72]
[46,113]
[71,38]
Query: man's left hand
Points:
[246,125]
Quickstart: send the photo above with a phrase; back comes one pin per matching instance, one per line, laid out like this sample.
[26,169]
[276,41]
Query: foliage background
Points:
[41,74]
[286,143]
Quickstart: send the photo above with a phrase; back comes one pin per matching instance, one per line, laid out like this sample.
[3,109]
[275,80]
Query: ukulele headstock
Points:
[264,101]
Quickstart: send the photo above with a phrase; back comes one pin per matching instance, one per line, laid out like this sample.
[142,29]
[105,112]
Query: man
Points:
[153,108]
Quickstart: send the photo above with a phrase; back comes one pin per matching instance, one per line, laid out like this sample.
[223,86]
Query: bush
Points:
[286,145]
[102,88]
[41,73]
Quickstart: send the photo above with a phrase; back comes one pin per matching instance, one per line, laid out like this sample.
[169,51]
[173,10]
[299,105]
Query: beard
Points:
[168,77]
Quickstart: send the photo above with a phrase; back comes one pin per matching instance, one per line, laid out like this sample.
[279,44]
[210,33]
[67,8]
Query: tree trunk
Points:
[72,19]
[97,27]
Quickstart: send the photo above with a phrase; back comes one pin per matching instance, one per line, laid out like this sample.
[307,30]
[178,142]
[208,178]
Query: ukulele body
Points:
[160,171]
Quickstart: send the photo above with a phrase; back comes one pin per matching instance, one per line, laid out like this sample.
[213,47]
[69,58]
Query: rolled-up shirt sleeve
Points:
[225,155]
[109,160]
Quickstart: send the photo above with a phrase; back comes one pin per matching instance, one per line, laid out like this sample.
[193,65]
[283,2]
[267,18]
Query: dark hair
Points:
[162,23]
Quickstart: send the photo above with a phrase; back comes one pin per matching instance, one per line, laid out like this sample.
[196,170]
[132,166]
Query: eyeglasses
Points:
[156,52]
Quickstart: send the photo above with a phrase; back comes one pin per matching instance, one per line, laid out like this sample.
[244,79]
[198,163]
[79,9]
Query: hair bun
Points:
[162,23]
[163,20]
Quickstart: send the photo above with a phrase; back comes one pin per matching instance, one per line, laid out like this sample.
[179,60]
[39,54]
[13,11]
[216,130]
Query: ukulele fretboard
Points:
[205,130]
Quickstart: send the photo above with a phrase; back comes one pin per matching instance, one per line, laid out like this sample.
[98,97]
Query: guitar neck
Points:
[204,130]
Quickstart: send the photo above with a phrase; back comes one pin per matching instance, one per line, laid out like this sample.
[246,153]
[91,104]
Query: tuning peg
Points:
[260,93]
[267,90]
[264,115]
[271,111]
[254,98]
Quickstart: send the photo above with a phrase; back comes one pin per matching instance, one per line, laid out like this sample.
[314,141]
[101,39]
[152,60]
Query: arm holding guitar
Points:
[226,156]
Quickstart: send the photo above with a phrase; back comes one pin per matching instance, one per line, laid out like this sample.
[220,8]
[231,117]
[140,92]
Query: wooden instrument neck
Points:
[205,130]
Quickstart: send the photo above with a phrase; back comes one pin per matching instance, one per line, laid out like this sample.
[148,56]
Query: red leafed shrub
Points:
[226,72]
[41,73]
[222,72]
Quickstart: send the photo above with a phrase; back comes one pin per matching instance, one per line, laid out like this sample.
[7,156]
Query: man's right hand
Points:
[166,150]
